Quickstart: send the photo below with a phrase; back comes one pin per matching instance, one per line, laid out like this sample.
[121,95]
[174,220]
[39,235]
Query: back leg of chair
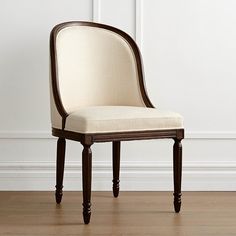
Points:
[116,167]
[177,162]
[87,179]
[61,147]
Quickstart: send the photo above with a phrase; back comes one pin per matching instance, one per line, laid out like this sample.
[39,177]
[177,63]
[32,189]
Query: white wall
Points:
[189,54]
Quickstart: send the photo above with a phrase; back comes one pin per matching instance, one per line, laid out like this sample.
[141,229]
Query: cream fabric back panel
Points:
[56,118]
[96,67]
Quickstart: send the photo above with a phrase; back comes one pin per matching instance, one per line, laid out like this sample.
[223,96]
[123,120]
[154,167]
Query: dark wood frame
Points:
[89,138]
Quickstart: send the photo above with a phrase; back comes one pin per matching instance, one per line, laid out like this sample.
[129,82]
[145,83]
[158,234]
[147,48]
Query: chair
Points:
[98,95]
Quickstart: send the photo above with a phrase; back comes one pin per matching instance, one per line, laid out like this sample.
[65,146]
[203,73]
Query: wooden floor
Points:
[133,213]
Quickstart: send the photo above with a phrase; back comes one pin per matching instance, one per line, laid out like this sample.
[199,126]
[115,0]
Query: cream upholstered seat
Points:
[97,94]
[101,119]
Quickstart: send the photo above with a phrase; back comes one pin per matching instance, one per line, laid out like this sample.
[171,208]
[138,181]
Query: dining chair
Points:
[97,94]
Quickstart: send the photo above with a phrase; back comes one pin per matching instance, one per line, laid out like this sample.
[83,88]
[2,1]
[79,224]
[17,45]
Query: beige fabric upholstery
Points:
[96,67]
[99,85]
[55,116]
[101,119]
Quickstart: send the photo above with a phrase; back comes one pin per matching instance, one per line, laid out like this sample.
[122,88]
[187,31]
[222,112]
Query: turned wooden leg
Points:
[177,151]
[86,172]
[61,147]
[116,167]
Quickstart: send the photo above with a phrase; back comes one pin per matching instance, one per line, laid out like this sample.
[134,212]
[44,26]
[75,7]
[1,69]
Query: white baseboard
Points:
[143,176]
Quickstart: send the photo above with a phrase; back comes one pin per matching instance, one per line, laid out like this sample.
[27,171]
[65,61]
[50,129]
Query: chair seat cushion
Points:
[101,119]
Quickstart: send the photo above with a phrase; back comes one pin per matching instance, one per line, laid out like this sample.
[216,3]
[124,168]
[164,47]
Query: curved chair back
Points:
[94,65]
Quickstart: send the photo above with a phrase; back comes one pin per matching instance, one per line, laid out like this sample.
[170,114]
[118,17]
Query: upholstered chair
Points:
[98,95]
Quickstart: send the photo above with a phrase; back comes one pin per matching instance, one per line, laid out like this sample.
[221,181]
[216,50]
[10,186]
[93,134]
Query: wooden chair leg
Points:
[61,147]
[86,172]
[177,151]
[116,167]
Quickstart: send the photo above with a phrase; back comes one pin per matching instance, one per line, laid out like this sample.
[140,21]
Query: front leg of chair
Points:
[177,151]
[87,173]
[61,147]
[116,167]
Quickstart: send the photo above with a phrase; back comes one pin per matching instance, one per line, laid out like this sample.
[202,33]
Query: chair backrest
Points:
[93,65]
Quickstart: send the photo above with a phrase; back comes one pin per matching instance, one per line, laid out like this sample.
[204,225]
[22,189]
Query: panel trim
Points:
[197,176]
[26,135]
[131,166]
[210,135]
[47,135]
[96,11]
[139,23]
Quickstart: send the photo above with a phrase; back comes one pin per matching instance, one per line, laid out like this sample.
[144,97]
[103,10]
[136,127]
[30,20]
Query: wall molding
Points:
[25,135]
[47,135]
[210,135]
[138,18]
[96,11]
[139,23]
[145,176]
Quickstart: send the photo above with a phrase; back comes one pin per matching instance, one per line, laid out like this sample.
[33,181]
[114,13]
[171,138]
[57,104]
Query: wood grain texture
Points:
[61,148]
[134,213]
[177,169]
[116,167]
[87,179]
[119,136]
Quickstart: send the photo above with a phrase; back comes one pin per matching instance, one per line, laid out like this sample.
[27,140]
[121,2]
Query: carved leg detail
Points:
[86,172]
[61,147]
[177,174]
[116,167]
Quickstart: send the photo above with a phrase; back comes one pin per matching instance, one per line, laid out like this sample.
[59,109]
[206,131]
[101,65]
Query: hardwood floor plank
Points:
[133,213]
